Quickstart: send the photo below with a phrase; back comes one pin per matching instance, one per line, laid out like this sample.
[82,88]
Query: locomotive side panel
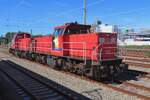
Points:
[24,44]
[42,44]
[81,45]
[100,46]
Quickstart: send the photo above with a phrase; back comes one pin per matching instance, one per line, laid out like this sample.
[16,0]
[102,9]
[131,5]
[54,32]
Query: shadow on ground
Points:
[8,92]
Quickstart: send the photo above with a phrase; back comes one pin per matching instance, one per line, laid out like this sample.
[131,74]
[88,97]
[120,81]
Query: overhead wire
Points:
[88,5]
[58,15]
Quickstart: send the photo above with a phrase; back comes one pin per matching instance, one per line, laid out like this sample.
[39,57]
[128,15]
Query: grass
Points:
[147,47]
[137,47]
[148,53]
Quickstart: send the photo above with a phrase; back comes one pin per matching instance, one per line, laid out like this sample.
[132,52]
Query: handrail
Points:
[94,52]
[100,52]
[83,50]
[48,46]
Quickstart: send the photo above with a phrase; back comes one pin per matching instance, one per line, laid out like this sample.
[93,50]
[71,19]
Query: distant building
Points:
[136,39]
[104,28]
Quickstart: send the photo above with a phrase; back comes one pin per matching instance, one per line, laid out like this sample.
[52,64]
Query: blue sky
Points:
[42,15]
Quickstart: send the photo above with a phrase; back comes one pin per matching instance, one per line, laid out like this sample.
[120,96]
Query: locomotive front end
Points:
[108,63]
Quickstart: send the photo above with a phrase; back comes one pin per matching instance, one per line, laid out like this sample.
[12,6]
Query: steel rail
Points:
[31,82]
[137,86]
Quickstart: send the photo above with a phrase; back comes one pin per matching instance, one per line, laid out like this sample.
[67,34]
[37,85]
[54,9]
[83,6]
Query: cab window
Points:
[110,40]
[72,31]
[19,36]
[101,40]
[58,32]
[75,31]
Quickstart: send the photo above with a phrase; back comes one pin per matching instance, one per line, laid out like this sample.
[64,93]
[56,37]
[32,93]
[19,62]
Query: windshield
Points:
[75,31]
[58,32]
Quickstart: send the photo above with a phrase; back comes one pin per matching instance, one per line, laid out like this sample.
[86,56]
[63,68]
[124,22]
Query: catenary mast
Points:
[85,11]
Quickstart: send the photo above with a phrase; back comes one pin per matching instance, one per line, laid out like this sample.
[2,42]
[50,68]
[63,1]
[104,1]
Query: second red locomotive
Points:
[73,48]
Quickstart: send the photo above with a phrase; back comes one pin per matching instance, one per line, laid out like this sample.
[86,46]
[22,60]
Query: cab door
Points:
[57,39]
[57,42]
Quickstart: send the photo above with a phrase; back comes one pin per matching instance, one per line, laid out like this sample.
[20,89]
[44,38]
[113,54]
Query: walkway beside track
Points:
[31,86]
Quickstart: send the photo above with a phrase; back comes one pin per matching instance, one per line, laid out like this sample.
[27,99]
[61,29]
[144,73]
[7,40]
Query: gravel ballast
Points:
[89,89]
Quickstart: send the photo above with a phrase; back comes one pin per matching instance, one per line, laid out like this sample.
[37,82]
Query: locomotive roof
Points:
[74,25]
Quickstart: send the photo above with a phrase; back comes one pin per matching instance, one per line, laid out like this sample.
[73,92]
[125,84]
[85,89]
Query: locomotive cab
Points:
[20,43]
[71,28]
[17,36]
[61,32]
[75,28]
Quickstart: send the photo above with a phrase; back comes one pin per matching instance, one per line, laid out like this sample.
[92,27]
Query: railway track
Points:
[140,53]
[121,87]
[133,90]
[31,86]
[138,64]
[136,57]
[137,61]
[147,77]
[137,86]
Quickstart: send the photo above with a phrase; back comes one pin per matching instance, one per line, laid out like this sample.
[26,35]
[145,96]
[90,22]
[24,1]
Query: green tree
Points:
[9,36]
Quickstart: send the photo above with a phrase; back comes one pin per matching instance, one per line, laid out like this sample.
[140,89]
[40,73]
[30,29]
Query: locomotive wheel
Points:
[22,53]
[95,72]
[77,70]
[70,69]
[37,58]
[28,55]
[59,64]
[75,67]
[123,67]
[9,50]
[98,72]
[16,53]
[44,59]
[64,65]
[19,54]
[25,55]
[33,57]
[54,64]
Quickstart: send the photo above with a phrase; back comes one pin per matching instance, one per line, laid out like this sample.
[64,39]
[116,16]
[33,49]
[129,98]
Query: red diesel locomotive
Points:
[73,48]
